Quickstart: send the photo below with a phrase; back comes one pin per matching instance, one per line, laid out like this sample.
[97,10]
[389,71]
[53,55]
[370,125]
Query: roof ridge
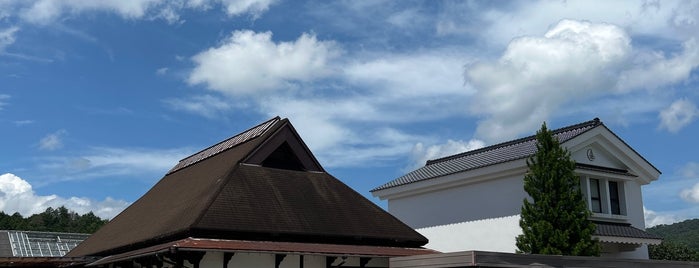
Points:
[594,122]
[212,150]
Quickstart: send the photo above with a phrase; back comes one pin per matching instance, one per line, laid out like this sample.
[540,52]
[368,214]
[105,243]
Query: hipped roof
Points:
[228,191]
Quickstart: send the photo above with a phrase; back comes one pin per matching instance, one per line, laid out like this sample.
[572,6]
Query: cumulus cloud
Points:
[678,115]
[691,194]
[536,75]
[250,63]
[386,88]
[421,153]
[653,218]
[53,141]
[7,37]
[17,195]
[573,62]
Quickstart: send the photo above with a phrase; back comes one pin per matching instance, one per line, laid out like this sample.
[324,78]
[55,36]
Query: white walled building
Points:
[472,200]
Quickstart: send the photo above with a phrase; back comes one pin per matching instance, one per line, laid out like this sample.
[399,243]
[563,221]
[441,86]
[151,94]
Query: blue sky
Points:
[98,99]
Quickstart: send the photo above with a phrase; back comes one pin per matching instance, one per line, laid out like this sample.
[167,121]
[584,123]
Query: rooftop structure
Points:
[256,197]
[38,244]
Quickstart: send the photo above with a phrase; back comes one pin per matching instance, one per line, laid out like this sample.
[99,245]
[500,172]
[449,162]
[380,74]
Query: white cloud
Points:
[23,122]
[102,162]
[386,88]
[17,195]
[250,63]
[433,74]
[654,69]
[678,115]
[7,37]
[341,131]
[653,218]
[161,71]
[53,141]
[421,153]
[691,195]
[254,7]
[500,23]
[536,75]
[205,105]
[690,170]
[46,11]
[3,100]
[49,11]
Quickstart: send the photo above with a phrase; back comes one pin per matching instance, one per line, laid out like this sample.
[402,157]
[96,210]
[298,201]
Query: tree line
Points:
[680,241]
[59,219]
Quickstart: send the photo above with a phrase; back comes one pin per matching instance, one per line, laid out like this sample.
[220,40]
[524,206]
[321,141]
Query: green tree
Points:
[672,252]
[556,221]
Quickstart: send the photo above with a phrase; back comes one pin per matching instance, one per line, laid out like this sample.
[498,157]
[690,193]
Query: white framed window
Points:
[604,196]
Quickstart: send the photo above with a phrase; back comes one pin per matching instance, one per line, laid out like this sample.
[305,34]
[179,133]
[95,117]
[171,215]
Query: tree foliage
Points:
[556,221]
[672,252]
[53,220]
[685,232]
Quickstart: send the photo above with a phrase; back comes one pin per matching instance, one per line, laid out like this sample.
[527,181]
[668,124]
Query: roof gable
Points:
[609,151]
[261,184]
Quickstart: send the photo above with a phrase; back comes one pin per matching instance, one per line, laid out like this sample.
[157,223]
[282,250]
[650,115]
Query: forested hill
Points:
[52,220]
[686,232]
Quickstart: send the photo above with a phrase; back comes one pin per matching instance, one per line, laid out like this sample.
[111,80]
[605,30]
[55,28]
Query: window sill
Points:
[609,217]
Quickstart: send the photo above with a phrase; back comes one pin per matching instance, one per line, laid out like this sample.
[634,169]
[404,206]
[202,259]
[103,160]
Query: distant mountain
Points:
[686,233]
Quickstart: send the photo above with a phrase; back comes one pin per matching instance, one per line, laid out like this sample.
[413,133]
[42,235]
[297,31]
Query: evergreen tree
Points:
[556,221]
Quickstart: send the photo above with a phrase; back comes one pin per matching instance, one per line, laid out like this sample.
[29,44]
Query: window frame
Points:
[612,205]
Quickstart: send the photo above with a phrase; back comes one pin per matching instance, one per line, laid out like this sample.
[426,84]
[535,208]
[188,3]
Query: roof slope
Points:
[214,194]
[487,156]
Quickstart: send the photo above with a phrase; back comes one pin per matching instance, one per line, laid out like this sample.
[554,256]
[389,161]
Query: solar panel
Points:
[43,244]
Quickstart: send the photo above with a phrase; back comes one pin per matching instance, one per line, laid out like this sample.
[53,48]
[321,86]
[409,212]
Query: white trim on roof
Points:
[628,240]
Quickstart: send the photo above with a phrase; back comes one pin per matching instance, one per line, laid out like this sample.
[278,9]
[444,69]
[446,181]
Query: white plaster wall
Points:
[601,157]
[496,235]
[481,200]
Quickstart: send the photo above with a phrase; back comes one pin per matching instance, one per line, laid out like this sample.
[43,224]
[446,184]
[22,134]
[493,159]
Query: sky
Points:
[98,99]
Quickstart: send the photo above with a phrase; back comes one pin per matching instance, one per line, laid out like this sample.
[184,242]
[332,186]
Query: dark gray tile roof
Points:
[622,230]
[487,156]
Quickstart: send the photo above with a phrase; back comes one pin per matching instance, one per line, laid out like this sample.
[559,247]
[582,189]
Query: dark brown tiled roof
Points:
[219,196]
[195,244]
[247,135]
[622,230]
[487,156]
